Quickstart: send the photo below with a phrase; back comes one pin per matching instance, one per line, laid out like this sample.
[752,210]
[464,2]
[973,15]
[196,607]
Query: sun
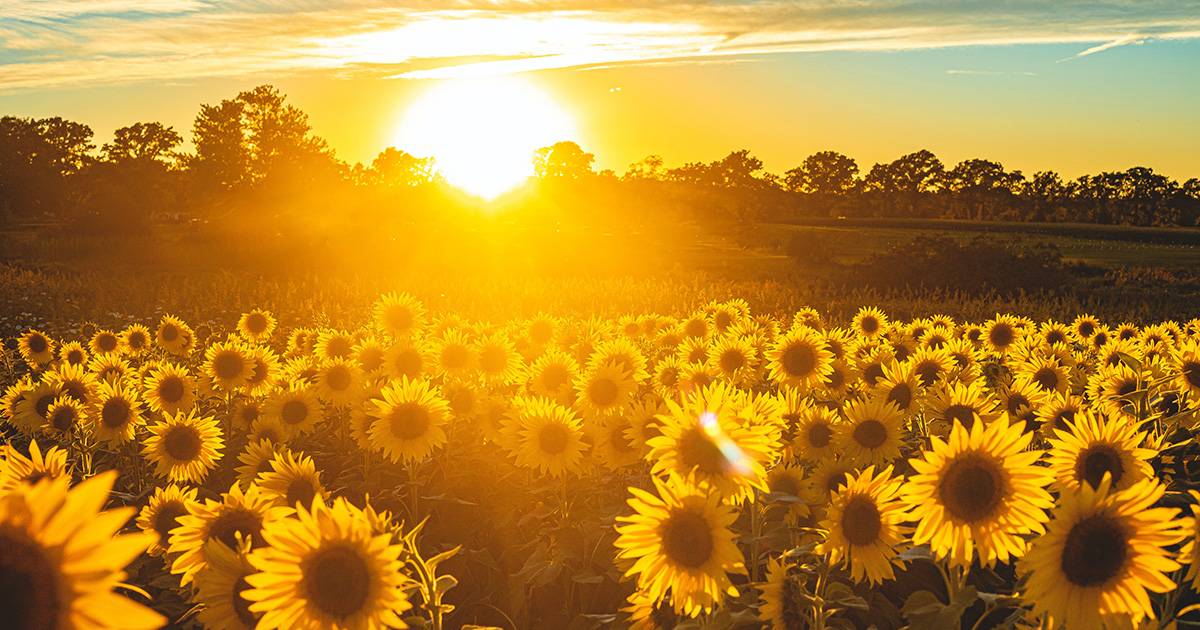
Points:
[482,132]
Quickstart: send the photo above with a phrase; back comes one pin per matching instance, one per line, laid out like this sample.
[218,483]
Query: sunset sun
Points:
[482,133]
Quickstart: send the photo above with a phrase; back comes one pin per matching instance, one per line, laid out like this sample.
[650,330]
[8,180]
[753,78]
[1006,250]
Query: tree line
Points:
[256,151]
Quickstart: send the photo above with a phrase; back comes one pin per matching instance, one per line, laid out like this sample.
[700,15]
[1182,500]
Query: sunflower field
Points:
[716,468]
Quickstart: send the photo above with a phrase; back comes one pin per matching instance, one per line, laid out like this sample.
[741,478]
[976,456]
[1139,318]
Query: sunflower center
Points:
[732,361]
[28,583]
[799,360]
[962,414]
[115,413]
[836,379]
[256,323]
[794,607]
[455,357]
[695,328]
[75,357]
[1046,378]
[971,488]
[1086,329]
[868,325]
[1126,388]
[338,581]
[1063,419]
[1001,335]
[1096,460]
[928,372]
[901,394]
[699,354]
[603,391]
[64,418]
[462,400]
[42,405]
[870,434]
[697,451]
[1095,551]
[398,318]
[553,438]
[1055,336]
[873,373]
[293,412]
[228,365]
[38,344]
[167,519]
[687,539]
[784,483]
[301,490]
[241,605]
[819,435]
[107,342]
[408,363]
[240,521]
[409,421]
[861,521]
[170,389]
[555,376]
[182,443]
[338,378]
[169,332]
[1191,372]
[137,340]
[493,360]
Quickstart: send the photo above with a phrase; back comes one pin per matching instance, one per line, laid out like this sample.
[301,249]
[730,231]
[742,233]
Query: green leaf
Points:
[924,611]
[841,596]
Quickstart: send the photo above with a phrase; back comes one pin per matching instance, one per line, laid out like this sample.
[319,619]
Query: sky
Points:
[1076,87]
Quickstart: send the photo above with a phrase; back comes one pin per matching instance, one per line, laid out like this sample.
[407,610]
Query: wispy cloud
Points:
[51,43]
[1127,40]
[990,73]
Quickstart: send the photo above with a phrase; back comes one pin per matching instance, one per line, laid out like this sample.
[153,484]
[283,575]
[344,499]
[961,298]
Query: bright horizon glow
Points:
[482,133]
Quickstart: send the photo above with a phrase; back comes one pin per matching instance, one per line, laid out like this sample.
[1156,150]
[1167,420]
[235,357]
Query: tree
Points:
[393,167]
[562,160]
[222,158]
[824,173]
[983,187]
[1044,194]
[143,142]
[38,159]
[908,179]
[649,168]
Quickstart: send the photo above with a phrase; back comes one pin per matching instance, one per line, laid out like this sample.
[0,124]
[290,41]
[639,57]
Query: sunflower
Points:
[255,459]
[552,375]
[175,336]
[1084,327]
[62,557]
[1000,333]
[668,375]
[399,315]
[1093,447]
[865,528]
[170,389]
[270,428]
[162,511]
[872,431]
[784,606]
[453,355]
[109,367]
[135,340]
[703,440]
[788,483]
[1111,387]
[959,403]
[409,420]
[291,480]
[238,518]
[327,568]
[693,350]
[228,364]
[16,468]
[646,614]
[1187,363]
[264,370]
[735,359]
[614,443]
[1101,555]
[978,494]
[966,360]
[220,587]
[334,344]
[1052,333]
[370,355]
[1020,400]
[815,433]
[405,359]
[184,447]
[498,361]
[64,416]
[32,410]
[1046,373]
[245,412]
[696,326]
[295,409]
[604,389]
[541,330]
[549,437]
[256,326]
[74,381]
[900,385]
[104,342]
[680,543]
[869,322]
[800,359]
[302,342]
[36,348]
[339,382]
[117,412]
[73,352]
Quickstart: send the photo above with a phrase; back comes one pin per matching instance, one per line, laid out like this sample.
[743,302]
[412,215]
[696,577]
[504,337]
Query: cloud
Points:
[1127,40]
[54,43]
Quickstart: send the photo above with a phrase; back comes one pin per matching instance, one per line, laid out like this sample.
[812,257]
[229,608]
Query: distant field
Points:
[1099,245]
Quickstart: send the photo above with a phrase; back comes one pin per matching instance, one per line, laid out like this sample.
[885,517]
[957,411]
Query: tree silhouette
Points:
[143,142]
[823,173]
[562,160]
[393,167]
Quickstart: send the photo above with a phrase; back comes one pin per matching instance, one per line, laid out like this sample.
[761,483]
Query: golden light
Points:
[482,133]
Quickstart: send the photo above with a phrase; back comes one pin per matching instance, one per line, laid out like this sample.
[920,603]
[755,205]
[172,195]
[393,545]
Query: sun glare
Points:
[482,133]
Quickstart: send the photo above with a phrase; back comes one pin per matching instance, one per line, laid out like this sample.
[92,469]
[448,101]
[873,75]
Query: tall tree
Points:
[824,173]
[562,160]
[143,142]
